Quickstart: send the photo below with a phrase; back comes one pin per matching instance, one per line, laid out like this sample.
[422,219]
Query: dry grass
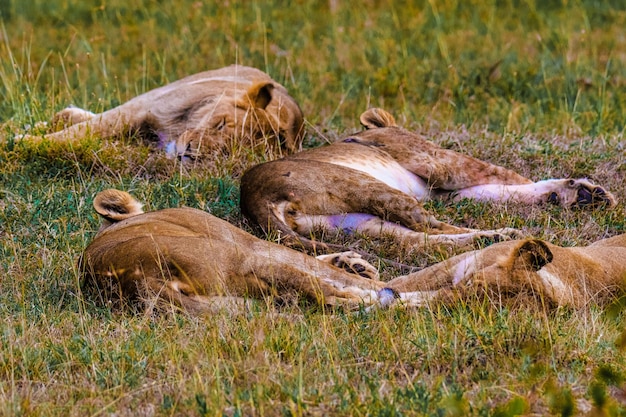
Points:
[535,86]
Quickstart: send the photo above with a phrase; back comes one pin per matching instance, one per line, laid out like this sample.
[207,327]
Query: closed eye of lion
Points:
[196,261]
[197,113]
[375,181]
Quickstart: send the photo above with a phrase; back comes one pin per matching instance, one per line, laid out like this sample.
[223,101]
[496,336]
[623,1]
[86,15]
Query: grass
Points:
[536,86]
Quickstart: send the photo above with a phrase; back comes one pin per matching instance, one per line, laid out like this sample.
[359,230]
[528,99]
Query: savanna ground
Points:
[537,86]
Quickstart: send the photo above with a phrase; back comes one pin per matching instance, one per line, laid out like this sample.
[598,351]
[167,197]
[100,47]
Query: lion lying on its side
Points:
[570,276]
[375,181]
[199,112]
[195,260]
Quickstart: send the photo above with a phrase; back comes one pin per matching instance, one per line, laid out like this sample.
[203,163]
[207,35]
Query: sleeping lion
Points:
[561,276]
[375,182]
[194,260]
[200,263]
[200,112]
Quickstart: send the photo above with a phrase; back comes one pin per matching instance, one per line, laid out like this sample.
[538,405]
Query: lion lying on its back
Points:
[374,182]
[201,111]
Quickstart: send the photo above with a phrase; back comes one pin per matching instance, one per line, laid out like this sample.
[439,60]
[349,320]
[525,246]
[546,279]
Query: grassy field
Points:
[537,86]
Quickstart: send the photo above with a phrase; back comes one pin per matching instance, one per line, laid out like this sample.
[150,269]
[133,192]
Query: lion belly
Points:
[392,174]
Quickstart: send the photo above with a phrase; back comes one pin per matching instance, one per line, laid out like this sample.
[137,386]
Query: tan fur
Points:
[197,113]
[196,261]
[571,276]
[374,182]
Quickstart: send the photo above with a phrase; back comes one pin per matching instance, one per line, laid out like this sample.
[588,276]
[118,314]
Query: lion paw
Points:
[351,262]
[70,116]
[580,194]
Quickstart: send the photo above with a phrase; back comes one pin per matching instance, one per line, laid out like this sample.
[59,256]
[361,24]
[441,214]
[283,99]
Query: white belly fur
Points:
[392,174]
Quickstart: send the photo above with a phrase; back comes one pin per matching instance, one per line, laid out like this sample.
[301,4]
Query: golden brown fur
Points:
[571,276]
[374,182]
[195,260]
[198,262]
[197,113]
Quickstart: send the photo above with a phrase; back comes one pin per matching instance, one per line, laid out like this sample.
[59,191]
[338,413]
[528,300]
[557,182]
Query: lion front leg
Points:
[112,123]
[61,120]
[288,270]
[352,263]
[70,116]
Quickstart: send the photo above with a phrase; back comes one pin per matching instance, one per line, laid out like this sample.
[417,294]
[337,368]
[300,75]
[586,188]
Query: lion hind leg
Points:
[570,193]
[375,227]
[367,224]
[202,304]
[182,295]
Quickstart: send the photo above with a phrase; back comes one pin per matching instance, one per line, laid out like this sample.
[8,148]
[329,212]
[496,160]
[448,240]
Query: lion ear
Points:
[260,95]
[533,254]
[115,205]
[374,118]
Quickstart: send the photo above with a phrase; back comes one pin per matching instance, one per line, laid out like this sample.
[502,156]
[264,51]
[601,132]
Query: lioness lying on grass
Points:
[571,276]
[196,261]
[374,182]
[200,112]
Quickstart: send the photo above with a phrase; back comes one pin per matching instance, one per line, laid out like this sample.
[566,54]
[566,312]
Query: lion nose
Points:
[181,150]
